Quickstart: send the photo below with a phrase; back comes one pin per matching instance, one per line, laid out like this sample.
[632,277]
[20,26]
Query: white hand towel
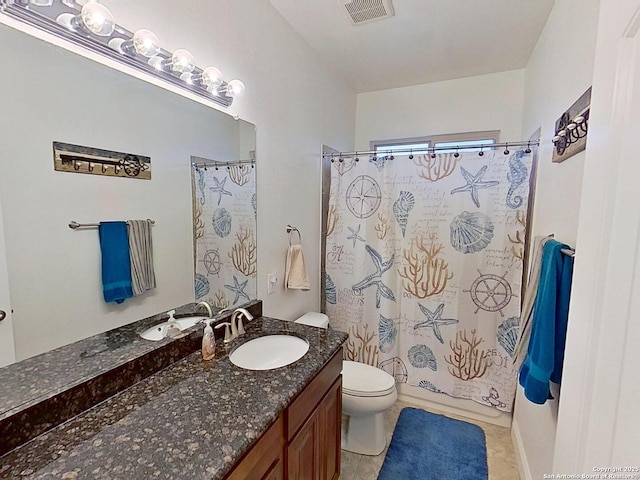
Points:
[295,272]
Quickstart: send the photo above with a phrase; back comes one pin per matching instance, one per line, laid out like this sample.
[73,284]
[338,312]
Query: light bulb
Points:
[235,88]
[97,19]
[146,43]
[211,78]
[182,61]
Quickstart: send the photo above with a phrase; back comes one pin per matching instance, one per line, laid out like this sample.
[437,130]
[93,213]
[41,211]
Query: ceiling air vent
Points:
[365,11]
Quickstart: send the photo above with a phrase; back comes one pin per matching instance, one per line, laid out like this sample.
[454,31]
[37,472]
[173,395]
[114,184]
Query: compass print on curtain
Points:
[363,196]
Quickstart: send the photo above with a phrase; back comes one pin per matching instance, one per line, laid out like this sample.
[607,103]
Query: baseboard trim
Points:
[502,419]
[521,456]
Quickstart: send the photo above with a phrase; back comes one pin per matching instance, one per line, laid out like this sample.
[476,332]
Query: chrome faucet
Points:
[207,306]
[172,328]
[237,326]
[227,334]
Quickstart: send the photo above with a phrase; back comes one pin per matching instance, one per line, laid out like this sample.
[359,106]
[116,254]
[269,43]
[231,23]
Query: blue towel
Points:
[545,354]
[116,266]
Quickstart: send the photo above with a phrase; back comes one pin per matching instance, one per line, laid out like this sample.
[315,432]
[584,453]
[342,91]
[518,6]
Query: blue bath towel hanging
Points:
[545,354]
[116,265]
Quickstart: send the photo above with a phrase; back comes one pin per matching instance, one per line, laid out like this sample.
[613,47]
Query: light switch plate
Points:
[272,279]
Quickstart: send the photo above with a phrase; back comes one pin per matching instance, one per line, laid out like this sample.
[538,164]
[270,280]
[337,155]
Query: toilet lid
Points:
[362,380]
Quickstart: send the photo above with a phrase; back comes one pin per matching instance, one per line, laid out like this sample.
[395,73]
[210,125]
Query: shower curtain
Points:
[224,229]
[424,268]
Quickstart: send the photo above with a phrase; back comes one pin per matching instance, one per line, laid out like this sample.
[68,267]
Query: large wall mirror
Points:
[52,95]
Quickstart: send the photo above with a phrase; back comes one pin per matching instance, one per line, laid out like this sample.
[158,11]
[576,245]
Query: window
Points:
[421,145]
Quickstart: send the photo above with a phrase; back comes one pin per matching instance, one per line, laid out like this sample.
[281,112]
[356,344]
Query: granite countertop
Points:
[193,419]
[31,380]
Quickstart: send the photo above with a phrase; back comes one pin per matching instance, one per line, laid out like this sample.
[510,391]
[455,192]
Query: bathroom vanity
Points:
[198,420]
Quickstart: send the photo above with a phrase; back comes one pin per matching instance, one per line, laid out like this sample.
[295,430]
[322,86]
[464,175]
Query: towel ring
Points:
[290,230]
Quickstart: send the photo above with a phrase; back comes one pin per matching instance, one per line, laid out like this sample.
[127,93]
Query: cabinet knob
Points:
[3,315]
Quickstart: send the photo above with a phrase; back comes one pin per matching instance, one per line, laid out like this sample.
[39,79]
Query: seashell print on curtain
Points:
[424,269]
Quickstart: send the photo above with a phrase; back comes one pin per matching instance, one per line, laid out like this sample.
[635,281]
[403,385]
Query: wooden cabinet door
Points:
[303,453]
[314,452]
[331,431]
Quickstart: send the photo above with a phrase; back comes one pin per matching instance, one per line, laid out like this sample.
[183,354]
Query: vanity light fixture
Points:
[91,25]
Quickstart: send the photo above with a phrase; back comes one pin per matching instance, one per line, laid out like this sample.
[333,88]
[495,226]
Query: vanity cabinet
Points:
[304,443]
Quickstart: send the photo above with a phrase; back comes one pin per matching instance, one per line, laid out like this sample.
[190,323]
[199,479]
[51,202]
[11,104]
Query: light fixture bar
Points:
[48,16]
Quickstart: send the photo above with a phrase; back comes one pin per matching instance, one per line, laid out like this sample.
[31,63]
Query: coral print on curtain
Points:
[224,205]
[424,269]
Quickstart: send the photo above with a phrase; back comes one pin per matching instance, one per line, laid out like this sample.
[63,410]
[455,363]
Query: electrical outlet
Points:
[272,280]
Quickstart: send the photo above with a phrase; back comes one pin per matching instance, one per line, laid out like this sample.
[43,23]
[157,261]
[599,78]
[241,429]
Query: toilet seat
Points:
[362,380]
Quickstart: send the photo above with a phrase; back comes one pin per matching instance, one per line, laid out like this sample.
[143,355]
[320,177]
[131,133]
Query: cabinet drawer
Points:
[306,402]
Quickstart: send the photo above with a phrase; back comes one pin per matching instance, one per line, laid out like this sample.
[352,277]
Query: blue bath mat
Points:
[426,446]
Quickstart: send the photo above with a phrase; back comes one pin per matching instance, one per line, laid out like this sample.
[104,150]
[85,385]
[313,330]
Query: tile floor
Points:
[500,453]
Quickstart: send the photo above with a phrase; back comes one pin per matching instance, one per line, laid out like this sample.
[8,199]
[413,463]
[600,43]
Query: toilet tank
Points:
[314,319]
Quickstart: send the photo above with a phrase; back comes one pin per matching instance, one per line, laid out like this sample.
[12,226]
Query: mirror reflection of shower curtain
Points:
[224,228]
[424,268]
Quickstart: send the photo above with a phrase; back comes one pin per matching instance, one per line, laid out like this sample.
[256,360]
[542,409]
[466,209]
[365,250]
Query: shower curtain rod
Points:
[417,151]
[215,164]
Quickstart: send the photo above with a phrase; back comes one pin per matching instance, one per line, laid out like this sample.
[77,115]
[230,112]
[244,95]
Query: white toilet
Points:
[366,393]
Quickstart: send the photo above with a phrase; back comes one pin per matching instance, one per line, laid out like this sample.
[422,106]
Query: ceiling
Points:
[426,41]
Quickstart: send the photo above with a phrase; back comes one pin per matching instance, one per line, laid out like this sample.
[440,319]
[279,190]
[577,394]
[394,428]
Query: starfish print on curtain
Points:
[218,187]
[474,183]
[238,289]
[375,279]
[434,320]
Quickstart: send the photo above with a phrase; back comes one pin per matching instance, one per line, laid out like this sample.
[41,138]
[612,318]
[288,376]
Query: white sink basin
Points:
[269,352]
[157,332]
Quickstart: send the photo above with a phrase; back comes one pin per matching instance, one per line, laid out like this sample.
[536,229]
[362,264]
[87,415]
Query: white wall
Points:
[297,104]
[484,102]
[598,421]
[558,72]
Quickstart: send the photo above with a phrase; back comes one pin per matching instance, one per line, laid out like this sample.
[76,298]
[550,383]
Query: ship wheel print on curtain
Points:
[490,292]
[363,196]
